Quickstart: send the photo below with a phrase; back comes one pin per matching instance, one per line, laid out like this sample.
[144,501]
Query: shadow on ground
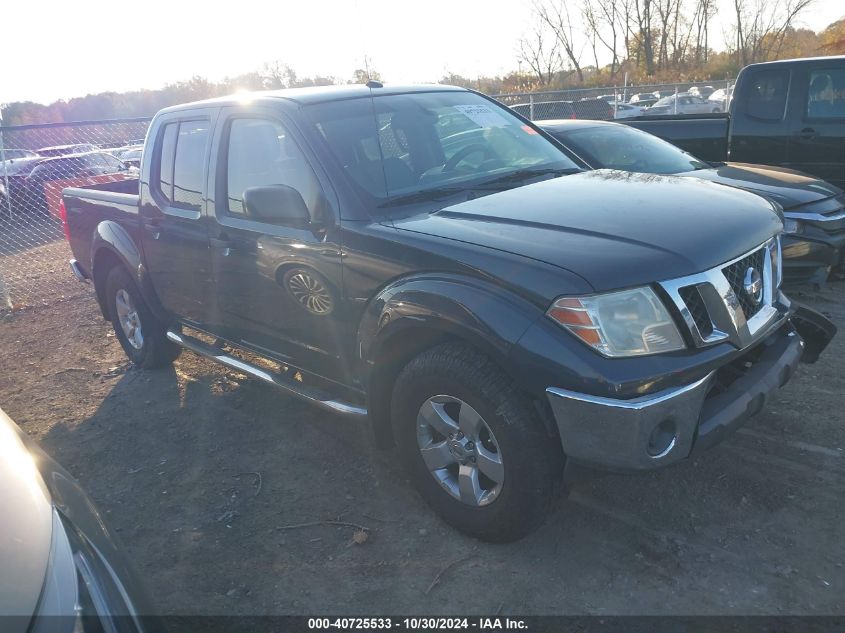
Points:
[202,471]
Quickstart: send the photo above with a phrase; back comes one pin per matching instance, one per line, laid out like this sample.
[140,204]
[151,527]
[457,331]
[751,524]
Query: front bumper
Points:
[658,429]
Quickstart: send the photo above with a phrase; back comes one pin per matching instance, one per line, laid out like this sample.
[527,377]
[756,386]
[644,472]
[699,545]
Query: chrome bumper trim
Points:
[615,433]
[77,271]
[815,217]
[634,434]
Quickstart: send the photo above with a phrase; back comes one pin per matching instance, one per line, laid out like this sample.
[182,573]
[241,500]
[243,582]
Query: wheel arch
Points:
[420,312]
[113,246]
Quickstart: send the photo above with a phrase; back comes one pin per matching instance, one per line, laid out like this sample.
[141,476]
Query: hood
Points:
[615,229]
[26,518]
[787,187]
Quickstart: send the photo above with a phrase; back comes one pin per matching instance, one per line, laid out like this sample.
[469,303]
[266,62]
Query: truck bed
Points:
[87,207]
[705,136]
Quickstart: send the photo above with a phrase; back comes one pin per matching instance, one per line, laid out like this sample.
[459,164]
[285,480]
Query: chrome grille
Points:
[735,274]
[698,310]
[715,306]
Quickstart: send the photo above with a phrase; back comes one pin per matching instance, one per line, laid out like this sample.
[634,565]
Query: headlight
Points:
[791,226]
[625,323]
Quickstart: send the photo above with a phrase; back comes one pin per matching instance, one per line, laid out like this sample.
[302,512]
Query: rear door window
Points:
[767,91]
[826,94]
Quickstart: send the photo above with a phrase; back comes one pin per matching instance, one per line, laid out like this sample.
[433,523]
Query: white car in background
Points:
[702,91]
[722,97]
[684,103]
[627,110]
[644,96]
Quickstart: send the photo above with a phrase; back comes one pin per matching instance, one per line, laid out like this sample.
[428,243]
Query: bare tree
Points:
[555,15]
[541,52]
[644,36]
[700,29]
[762,25]
[604,22]
[278,75]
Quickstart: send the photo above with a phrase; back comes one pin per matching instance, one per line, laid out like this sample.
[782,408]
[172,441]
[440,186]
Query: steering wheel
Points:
[461,154]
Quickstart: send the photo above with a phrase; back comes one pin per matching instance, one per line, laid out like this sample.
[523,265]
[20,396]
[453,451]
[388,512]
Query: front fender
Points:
[484,314]
[112,238]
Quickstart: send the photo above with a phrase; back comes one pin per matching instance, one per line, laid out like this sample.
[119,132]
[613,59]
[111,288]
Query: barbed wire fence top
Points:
[36,163]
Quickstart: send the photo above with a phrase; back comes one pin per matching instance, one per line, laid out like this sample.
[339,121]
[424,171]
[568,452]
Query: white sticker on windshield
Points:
[482,115]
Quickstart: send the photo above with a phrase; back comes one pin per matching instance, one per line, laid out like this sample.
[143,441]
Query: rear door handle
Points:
[807,134]
[153,227]
[220,242]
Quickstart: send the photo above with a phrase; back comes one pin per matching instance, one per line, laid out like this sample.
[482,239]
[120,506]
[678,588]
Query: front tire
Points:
[142,336]
[473,444]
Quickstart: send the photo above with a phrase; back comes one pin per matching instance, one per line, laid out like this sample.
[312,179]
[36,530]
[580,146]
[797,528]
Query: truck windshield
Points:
[395,146]
[629,149]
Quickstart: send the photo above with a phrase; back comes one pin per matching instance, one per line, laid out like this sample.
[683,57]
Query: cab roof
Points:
[802,60]
[314,94]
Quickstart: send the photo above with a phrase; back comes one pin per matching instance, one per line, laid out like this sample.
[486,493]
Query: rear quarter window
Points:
[188,166]
[163,175]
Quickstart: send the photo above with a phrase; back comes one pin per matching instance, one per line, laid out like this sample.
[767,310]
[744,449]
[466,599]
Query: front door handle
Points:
[225,245]
[808,134]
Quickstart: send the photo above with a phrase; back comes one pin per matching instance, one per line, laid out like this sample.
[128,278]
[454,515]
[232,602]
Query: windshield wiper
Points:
[525,174]
[422,196]
[440,193]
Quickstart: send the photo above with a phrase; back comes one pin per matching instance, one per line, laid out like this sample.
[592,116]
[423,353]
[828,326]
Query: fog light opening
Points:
[662,439]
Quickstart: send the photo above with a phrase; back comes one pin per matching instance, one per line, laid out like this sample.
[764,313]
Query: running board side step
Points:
[308,394]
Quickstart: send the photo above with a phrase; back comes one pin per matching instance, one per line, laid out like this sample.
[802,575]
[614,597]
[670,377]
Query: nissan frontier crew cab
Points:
[429,259]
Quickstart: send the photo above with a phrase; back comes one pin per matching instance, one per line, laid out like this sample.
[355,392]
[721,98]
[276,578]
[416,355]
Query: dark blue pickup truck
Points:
[425,257]
[788,113]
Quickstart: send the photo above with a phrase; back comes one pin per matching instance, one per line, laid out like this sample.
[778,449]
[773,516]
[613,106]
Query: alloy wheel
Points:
[130,321]
[460,450]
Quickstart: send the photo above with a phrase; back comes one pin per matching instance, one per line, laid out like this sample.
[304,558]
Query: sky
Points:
[71,49]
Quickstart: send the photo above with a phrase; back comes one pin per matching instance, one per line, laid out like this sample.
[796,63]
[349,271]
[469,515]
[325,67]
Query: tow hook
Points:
[815,329]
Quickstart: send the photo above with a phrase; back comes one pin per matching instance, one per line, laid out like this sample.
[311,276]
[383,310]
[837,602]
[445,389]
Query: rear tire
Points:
[142,336]
[496,483]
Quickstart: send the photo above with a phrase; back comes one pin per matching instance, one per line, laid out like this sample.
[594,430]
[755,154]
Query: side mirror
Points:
[276,204]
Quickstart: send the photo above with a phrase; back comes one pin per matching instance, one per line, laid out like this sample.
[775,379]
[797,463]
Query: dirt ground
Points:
[200,470]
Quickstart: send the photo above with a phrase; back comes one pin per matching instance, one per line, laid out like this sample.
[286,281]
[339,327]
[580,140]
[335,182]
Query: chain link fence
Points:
[36,163]
[622,102]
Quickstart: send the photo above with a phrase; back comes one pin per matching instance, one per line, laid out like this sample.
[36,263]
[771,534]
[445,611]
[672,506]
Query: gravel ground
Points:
[203,471]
